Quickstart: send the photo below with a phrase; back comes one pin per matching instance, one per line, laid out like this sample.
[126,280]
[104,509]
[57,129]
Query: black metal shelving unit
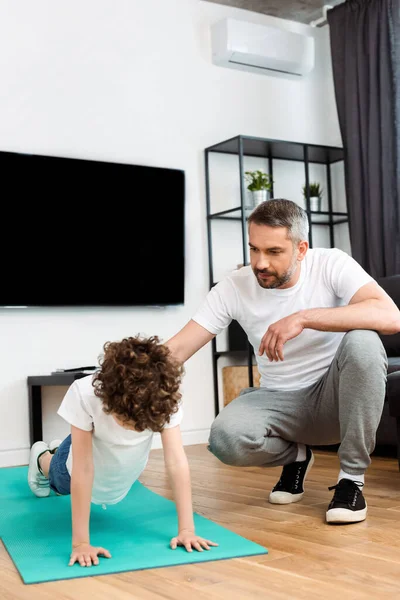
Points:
[270,150]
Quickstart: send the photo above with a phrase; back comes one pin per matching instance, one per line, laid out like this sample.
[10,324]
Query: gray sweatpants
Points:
[263,428]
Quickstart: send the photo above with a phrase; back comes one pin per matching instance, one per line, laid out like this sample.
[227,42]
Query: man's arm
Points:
[369,308]
[188,341]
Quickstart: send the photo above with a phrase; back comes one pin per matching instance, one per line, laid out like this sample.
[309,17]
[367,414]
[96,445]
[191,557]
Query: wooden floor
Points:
[307,558]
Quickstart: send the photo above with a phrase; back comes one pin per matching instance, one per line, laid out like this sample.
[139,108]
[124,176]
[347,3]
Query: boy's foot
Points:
[53,445]
[38,483]
[290,487]
[348,503]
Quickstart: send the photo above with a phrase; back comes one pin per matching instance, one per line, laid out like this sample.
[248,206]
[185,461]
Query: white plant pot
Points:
[259,196]
[315,203]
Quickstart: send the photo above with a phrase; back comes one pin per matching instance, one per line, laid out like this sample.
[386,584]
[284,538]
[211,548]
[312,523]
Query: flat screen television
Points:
[77,232]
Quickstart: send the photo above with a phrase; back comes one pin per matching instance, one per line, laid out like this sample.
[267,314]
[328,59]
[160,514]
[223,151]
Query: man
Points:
[312,317]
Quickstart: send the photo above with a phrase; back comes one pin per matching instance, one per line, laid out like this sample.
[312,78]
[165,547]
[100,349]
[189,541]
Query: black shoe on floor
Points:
[290,487]
[348,503]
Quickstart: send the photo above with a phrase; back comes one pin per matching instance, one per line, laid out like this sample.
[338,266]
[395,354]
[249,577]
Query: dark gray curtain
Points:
[364,38]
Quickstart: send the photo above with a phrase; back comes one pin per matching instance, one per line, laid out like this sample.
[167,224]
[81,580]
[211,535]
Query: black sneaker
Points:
[348,503]
[290,487]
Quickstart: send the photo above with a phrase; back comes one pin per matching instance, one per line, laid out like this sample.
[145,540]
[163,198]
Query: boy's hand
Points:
[189,539]
[86,555]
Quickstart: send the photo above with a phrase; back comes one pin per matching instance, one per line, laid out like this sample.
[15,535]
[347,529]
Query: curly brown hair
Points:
[138,382]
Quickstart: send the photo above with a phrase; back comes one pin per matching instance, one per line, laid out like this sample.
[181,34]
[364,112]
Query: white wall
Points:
[131,80]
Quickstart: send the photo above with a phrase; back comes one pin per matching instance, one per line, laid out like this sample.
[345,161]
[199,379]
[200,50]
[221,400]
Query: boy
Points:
[113,416]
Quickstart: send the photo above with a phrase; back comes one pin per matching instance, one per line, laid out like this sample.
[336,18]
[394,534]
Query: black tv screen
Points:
[77,232]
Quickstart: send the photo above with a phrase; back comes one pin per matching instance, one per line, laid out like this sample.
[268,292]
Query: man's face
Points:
[273,256]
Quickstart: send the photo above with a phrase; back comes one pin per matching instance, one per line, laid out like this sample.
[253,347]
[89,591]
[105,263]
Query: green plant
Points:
[315,190]
[258,180]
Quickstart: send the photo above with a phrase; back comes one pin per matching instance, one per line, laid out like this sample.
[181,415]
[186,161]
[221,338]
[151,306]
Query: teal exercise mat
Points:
[37,533]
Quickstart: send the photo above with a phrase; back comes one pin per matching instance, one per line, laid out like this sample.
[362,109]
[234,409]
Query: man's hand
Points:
[189,539]
[86,555]
[278,334]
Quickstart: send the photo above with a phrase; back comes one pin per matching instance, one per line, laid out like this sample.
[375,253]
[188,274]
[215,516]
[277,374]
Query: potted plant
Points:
[260,184]
[315,192]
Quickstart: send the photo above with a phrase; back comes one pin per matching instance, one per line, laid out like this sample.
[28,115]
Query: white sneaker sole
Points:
[287,497]
[343,515]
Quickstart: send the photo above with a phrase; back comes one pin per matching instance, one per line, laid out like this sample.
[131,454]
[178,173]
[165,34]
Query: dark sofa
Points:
[388,433]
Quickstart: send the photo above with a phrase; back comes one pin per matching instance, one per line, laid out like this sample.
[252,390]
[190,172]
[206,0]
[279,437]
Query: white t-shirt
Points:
[328,278]
[119,455]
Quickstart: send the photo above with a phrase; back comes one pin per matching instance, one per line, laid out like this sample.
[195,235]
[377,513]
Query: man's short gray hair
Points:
[282,213]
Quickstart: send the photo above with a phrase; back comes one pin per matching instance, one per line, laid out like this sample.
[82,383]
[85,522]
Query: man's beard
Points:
[275,281]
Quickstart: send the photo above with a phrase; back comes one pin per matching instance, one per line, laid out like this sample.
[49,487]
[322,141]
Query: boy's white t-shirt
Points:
[119,455]
[328,278]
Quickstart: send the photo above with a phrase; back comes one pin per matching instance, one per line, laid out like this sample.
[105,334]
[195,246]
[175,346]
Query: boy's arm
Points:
[81,496]
[177,467]
[81,484]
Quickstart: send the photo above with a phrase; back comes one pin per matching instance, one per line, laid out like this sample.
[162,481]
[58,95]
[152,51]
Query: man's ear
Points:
[302,248]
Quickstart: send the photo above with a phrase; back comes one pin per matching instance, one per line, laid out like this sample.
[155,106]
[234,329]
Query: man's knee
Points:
[232,444]
[364,349]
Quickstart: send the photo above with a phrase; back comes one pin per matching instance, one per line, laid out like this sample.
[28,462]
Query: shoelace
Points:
[290,477]
[346,491]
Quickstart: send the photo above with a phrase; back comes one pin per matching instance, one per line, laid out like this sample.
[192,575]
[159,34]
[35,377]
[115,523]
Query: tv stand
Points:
[35,384]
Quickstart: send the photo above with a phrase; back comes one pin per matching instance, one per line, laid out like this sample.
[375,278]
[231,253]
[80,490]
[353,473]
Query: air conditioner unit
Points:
[261,48]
